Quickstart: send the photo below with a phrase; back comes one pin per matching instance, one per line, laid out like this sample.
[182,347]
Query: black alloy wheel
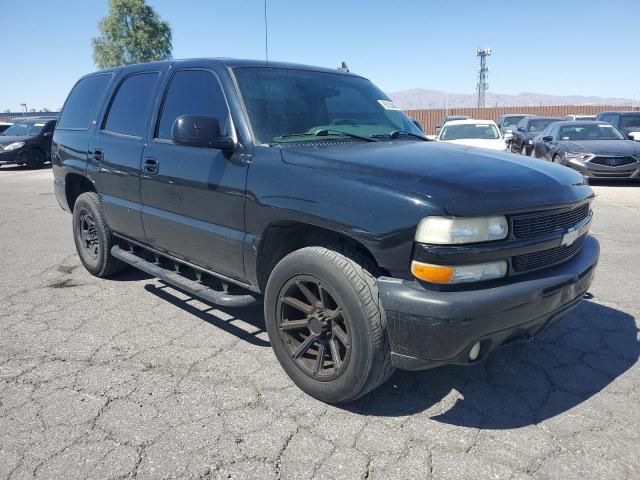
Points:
[314,327]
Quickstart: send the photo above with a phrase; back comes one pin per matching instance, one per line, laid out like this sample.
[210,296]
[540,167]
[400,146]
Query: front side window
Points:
[475,131]
[193,92]
[131,105]
[287,105]
[82,105]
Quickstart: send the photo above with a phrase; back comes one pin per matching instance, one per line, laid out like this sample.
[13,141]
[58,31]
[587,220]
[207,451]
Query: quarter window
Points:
[132,104]
[192,92]
[83,102]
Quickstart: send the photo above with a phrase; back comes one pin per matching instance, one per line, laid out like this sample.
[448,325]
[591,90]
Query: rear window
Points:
[82,105]
[132,104]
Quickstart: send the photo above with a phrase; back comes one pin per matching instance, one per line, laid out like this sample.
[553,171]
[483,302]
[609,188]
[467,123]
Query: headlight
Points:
[576,156]
[459,274]
[13,146]
[446,230]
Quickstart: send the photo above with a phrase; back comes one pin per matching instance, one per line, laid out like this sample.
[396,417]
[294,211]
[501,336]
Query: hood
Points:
[7,140]
[603,147]
[497,144]
[452,175]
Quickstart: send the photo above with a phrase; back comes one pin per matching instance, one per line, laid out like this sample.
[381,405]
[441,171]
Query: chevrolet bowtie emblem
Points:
[570,237]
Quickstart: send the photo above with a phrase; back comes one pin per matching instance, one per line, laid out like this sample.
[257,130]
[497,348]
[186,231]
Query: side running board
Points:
[193,287]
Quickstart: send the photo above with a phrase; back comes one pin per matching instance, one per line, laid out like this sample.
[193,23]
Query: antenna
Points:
[483,74]
[343,67]
[266,33]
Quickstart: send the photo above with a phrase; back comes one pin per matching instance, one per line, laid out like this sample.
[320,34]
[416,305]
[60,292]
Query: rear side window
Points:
[192,92]
[131,105]
[82,105]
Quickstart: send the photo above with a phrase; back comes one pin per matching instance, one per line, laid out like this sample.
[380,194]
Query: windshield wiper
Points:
[398,133]
[323,132]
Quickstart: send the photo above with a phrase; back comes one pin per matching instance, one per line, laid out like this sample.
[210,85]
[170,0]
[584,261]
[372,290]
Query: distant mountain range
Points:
[418,98]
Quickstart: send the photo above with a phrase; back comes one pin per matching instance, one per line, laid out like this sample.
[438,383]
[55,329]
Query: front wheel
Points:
[326,324]
[34,159]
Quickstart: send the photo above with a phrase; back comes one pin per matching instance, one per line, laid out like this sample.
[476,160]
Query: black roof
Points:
[233,63]
[581,122]
[34,119]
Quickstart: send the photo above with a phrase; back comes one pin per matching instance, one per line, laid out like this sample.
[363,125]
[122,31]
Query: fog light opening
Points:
[474,353]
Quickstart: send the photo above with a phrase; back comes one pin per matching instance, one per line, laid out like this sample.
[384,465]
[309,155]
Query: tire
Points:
[555,159]
[523,150]
[93,238]
[357,335]
[34,159]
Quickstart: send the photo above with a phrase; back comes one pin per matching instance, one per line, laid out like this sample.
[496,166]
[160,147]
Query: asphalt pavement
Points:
[129,378]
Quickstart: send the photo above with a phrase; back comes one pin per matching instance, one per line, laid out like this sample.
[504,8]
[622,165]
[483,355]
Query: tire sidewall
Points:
[35,159]
[87,203]
[354,376]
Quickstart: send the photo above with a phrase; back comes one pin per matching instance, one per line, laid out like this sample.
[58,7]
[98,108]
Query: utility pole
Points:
[483,74]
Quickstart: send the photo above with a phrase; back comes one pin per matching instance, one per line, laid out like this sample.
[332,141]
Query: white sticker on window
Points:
[39,124]
[605,126]
[388,105]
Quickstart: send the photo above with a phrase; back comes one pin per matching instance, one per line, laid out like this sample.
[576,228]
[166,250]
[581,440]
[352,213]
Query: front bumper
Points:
[10,158]
[430,328]
[602,172]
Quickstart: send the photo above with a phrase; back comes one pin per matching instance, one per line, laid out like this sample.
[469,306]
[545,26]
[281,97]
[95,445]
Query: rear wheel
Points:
[326,325]
[524,151]
[93,238]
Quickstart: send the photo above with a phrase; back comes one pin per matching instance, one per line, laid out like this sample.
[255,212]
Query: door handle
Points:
[97,155]
[151,165]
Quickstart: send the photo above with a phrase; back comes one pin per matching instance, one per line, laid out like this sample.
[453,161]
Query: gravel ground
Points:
[130,378]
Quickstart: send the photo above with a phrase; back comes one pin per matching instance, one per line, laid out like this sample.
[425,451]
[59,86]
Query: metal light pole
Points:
[483,74]
[24,105]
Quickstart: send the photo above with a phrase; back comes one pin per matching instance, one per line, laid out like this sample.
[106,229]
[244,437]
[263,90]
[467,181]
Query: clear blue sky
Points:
[556,47]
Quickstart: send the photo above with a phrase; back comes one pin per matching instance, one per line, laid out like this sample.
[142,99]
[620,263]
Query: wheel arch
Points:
[281,238]
[75,185]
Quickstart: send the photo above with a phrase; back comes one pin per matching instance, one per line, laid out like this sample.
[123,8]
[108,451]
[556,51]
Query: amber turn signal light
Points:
[432,273]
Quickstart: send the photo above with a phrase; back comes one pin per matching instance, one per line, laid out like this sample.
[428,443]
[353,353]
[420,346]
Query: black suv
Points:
[27,142]
[309,190]
[526,132]
[627,122]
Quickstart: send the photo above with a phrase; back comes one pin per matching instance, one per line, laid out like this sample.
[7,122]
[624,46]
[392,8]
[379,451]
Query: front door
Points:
[193,198]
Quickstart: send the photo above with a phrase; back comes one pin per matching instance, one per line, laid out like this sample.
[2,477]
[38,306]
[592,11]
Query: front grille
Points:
[613,161]
[546,258]
[542,223]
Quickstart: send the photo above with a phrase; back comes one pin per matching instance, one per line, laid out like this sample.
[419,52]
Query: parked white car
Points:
[473,133]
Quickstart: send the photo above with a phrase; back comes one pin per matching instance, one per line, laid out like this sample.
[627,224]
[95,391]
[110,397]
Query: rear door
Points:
[116,150]
[193,198]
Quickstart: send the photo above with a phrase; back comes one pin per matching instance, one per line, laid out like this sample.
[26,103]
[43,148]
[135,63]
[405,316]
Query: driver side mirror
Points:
[47,134]
[632,136]
[200,131]
[547,138]
[520,129]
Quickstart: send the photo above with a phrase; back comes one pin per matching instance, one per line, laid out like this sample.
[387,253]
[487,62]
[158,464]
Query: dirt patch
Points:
[66,283]
[67,268]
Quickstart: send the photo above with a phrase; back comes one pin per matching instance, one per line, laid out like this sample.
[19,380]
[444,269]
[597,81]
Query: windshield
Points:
[511,121]
[476,131]
[539,125]
[630,121]
[285,105]
[24,129]
[590,132]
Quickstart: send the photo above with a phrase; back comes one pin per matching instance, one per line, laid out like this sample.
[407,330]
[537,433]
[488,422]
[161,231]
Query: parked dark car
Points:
[506,123]
[27,142]
[627,122]
[449,118]
[306,189]
[597,150]
[526,131]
